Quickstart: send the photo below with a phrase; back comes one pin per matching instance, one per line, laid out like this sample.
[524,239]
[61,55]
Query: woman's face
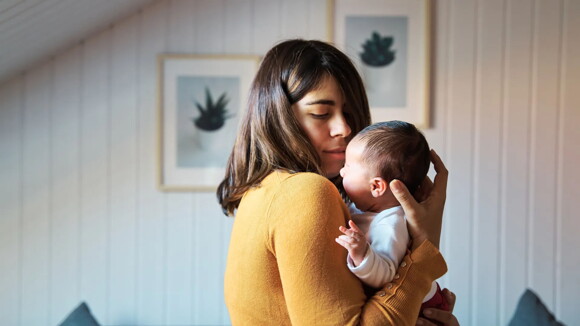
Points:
[321,115]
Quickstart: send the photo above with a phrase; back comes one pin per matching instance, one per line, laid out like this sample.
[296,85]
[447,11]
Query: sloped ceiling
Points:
[34,30]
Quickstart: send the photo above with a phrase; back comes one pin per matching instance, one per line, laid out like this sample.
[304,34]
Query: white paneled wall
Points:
[81,218]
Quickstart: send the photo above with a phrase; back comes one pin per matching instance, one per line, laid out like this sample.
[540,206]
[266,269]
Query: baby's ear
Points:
[378,186]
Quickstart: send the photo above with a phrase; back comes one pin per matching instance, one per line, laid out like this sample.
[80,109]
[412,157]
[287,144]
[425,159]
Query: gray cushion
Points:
[531,311]
[81,316]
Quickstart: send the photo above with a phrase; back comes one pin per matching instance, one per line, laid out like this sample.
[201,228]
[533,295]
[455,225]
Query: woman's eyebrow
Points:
[321,101]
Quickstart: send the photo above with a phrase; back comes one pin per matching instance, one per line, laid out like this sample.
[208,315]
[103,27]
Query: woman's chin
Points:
[332,169]
[332,174]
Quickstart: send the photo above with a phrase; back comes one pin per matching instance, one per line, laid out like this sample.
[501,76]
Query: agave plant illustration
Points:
[214,114]
[377,51]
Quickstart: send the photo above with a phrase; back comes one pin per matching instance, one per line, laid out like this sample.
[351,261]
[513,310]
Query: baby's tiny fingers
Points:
[353,226]
[342,243]
[355,236]
[347,239]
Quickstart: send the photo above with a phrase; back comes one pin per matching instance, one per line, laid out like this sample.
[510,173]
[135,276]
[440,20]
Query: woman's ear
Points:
[378,186]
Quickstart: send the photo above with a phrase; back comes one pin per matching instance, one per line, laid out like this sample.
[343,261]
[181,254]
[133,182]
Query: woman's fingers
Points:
[451,298]
[427,184]
[416,215]
[445,317]
[440,181]
[404,197]
[424,322]
[424,190]
[438,163]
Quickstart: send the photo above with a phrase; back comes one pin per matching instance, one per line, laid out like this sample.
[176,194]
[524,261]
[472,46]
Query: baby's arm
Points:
[379,263]
[354,241]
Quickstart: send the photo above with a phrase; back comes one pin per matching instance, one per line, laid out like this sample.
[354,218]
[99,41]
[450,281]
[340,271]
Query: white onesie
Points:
[389,238]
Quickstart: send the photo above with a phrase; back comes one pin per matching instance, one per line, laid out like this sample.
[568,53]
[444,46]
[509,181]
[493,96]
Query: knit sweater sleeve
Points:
[319,289]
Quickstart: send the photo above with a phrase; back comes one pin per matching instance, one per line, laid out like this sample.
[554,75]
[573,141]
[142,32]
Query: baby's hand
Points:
[354,241]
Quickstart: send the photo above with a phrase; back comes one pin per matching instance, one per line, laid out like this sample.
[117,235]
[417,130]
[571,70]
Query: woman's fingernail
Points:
[419,322]
[395,185]
[427,312]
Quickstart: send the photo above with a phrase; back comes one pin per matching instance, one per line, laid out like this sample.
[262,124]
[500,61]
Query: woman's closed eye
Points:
[319,115]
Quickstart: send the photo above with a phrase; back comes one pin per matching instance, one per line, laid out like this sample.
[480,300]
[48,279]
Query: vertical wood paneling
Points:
[95,206]
[36,210]
[439,77]
[209,26]
[227,223]
[179,260]
[204,306]
[238,30]
[180,206]
[64,188]
[294,19]
[11,112]
[516,148]
[439,104]
[266,13]
[150,218]
[317,20]
[460,153]
[544,146]
[568,277]
[123,171]
[181,36]
[208,270]
[487,158]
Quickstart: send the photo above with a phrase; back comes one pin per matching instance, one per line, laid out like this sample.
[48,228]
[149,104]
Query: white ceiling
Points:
[34,30]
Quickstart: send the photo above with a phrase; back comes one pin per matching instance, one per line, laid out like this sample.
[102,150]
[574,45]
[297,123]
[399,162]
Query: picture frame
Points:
[389,41]
[201,99]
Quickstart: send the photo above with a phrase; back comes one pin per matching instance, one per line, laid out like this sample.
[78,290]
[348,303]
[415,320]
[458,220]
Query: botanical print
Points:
[207,119]
[379,47]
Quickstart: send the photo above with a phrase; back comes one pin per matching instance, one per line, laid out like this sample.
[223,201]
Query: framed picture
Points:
[201,101]
[389,42]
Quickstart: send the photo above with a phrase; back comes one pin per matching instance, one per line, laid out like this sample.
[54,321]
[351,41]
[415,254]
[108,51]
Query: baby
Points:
[378,154]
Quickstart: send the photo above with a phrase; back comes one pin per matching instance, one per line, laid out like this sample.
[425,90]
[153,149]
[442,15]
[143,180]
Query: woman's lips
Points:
[337,153]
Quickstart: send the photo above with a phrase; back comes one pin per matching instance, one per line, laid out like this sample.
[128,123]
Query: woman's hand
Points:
[441,316]
[424,219]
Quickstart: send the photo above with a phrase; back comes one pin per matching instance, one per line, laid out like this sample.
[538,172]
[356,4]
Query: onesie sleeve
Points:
[389,237]
[319,289]
[375,270]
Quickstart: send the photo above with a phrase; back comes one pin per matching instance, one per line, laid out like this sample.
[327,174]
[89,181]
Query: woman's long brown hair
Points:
[270,137]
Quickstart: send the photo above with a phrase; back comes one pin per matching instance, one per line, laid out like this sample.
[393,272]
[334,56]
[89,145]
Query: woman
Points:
[284,268]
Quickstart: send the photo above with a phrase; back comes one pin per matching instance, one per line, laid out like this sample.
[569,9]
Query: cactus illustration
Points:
[213,115]
[377,51]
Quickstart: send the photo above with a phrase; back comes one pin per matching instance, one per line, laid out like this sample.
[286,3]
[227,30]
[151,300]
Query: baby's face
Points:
[355,176]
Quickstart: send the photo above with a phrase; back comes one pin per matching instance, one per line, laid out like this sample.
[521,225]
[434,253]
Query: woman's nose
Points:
[340,127]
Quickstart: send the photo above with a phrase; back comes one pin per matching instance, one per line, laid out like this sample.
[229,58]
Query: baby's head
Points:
[380,153]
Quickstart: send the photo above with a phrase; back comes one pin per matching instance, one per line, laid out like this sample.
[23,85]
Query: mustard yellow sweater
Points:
[284,267]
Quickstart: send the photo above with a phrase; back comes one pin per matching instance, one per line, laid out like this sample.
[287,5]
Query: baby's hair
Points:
[396,150]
